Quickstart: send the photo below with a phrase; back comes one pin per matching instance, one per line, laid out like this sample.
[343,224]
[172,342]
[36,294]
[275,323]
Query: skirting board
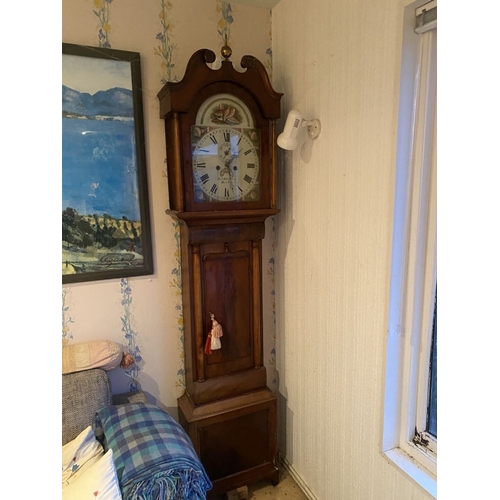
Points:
[297,478]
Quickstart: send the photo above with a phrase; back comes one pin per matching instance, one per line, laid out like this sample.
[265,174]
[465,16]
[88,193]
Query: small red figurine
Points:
[214,335]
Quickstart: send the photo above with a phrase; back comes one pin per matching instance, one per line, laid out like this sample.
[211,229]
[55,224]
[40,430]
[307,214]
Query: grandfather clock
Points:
[221,141]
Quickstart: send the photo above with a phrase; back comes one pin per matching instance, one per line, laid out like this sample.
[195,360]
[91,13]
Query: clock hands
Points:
[226,164]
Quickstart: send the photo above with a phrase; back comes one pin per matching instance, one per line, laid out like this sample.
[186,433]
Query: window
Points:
[410,405]
[432,403]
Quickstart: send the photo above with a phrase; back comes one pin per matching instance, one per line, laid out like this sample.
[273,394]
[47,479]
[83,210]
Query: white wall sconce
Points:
[288,138]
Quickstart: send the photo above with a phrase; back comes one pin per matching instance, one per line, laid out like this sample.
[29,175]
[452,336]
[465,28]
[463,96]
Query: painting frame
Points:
[100,245]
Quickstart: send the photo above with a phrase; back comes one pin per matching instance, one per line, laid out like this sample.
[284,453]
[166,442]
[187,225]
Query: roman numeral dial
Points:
[225,162]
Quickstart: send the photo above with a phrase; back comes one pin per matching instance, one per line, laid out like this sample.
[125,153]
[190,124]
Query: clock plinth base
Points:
[235,438]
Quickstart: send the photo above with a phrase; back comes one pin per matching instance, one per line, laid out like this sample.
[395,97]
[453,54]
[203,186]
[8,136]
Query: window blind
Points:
[426,17]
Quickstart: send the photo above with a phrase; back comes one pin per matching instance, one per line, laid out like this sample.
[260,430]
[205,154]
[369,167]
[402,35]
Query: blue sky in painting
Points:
[99,168]
[99,171]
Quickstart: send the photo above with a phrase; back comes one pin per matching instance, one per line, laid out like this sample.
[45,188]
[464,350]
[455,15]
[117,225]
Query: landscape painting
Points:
[105,210]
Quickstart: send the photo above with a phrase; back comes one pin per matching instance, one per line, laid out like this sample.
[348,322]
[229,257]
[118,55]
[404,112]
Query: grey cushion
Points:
[83,393]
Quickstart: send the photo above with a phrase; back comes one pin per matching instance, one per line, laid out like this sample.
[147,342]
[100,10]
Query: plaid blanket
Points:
[153,455]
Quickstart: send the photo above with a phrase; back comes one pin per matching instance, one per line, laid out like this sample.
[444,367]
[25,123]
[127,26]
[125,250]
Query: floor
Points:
[287,489]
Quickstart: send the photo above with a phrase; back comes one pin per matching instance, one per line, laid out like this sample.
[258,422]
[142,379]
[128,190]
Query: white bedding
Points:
[88,472]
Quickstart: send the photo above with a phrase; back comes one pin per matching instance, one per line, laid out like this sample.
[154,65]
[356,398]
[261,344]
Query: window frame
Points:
[405,441]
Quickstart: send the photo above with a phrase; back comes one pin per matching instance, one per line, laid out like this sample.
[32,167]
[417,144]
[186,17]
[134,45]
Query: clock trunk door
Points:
[227,293]
[223,267]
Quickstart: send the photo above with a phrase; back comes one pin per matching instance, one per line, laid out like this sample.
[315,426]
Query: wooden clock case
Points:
[227,409]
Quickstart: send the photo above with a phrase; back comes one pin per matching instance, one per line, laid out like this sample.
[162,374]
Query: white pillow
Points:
[99,482]
[79,454]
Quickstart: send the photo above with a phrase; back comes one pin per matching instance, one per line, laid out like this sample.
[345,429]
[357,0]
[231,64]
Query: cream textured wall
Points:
[144,313]
[337,61]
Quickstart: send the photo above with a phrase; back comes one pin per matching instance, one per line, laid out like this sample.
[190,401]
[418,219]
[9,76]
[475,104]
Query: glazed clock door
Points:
[225,152]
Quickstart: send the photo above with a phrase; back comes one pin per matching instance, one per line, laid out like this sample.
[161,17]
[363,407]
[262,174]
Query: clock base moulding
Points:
[235,438]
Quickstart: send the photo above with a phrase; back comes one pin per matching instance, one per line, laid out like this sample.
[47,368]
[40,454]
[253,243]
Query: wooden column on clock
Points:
[227,409]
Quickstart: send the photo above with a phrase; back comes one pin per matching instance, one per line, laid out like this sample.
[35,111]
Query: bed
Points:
[122,447]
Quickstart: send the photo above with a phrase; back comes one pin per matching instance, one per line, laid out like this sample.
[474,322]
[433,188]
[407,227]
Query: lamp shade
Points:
[287,142]
[288,138]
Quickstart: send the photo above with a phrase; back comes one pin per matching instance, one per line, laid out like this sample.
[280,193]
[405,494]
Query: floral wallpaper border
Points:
[66,319]
[176,285]
[101,11]
[165,48]
[225,10]
[130,334]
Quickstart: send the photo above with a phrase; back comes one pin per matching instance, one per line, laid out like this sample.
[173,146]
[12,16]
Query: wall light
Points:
[288,138]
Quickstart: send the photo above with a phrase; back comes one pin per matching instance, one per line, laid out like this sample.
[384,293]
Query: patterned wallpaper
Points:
[145,314]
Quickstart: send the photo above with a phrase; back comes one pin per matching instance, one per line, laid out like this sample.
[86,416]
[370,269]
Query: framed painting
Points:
[106,230]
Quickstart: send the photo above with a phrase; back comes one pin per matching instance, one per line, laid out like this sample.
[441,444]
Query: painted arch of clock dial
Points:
[224,109]
[225,164]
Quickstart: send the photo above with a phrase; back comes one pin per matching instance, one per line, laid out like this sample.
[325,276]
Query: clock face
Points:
[225,163]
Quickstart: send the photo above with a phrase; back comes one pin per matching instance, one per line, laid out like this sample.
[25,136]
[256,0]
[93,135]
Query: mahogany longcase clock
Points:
[220,137]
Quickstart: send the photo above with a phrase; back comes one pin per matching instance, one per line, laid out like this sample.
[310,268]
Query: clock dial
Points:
[225,164]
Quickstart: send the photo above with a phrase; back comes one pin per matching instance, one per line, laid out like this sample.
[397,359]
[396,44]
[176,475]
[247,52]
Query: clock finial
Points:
[226,50]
